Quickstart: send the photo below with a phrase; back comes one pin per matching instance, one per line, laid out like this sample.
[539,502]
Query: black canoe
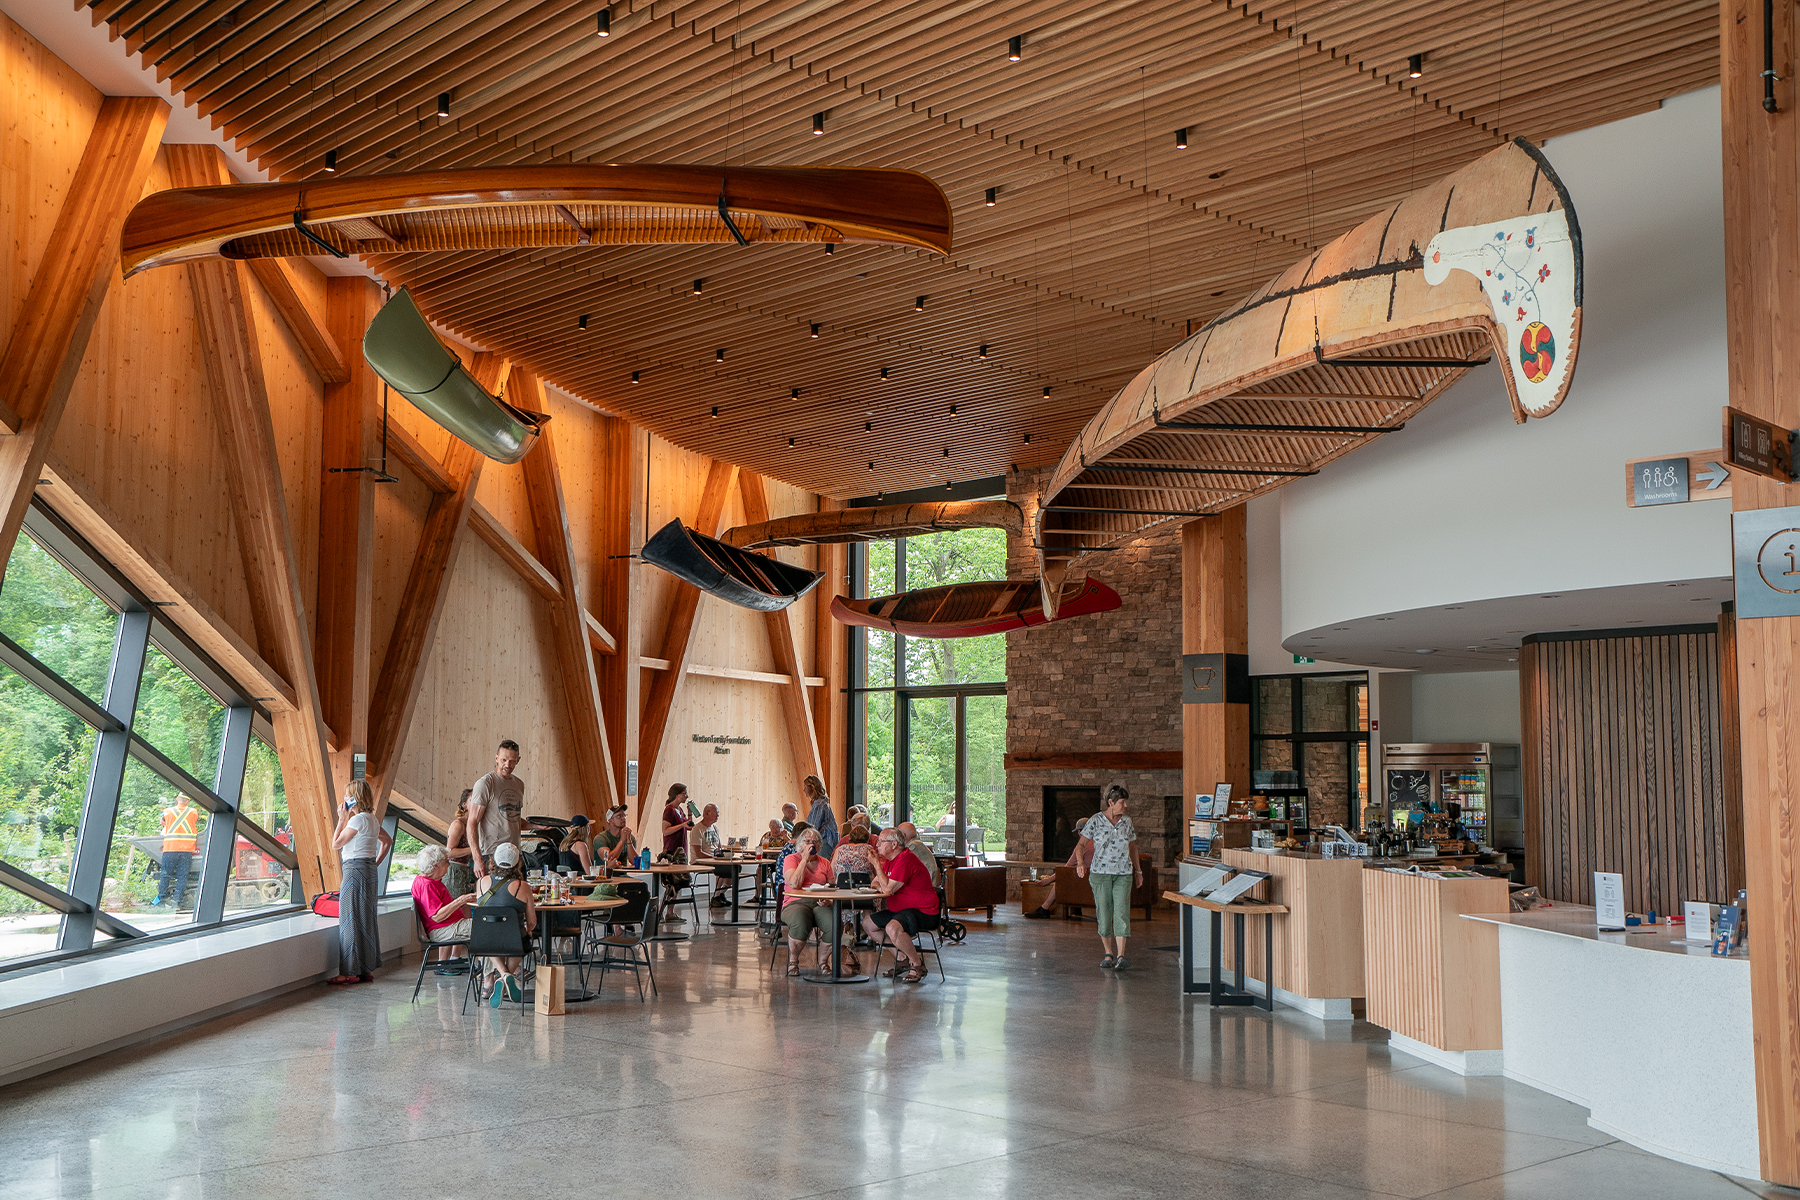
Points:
[742,577]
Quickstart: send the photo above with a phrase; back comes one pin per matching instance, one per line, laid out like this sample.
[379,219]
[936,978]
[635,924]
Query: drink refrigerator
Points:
[1482,777]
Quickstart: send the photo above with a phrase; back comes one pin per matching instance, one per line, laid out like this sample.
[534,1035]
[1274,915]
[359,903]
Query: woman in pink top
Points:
[441,913]
[805,868]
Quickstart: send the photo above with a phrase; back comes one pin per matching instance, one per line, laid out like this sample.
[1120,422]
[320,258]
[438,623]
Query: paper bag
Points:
[550,990]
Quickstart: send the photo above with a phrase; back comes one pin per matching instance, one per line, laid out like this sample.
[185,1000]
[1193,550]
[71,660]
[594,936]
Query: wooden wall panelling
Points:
[619,523]
[1731,765]
[683,608]
[319,334]
[351,449]
[1623,748]
[1433,976]
[580,682]
[514,554]
[1319,941]
[397,688]
[796,706]
[1215,738]
[831,662]
[1762,310]
[49,340]
[265,535]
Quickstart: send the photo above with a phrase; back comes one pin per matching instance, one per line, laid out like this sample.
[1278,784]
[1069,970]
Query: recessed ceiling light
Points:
[1424,651]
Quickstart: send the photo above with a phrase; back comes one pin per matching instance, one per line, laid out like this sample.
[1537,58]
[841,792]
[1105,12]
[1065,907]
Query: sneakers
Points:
[506,988]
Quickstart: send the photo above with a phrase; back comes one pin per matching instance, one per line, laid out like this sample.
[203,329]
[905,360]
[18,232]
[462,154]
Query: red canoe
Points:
[971,609]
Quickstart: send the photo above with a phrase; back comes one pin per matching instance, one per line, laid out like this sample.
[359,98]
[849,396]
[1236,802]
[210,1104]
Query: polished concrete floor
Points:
[1030,1073]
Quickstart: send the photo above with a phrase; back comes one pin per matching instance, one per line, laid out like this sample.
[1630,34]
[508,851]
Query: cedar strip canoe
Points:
[972,609]
[747,580]
[1341,348]
[530,207]
[880,523]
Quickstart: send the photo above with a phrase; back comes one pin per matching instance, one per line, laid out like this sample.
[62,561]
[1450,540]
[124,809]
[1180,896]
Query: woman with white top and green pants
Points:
[1112,870]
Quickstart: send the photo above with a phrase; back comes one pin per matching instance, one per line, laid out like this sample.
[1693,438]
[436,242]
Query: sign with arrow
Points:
[1677,478]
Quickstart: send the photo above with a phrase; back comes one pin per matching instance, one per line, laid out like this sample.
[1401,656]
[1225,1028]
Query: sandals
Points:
[1122,964]
[342,981]
[1107,962]
[913,975]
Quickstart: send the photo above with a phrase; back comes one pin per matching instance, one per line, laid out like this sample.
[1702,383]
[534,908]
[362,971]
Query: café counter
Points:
[1649,1033]
[1318,966]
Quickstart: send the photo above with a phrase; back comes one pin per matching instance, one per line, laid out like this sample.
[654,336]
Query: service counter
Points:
[1649,1033]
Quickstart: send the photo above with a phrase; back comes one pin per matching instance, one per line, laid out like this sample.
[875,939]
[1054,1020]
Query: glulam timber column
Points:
[1762,299]
[1215,647]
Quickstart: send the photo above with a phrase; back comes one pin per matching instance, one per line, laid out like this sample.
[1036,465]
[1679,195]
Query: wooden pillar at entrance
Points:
[1762,297]
[1215,736]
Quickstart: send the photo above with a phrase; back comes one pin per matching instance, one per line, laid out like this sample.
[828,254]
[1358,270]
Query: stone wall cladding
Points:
[1108,682]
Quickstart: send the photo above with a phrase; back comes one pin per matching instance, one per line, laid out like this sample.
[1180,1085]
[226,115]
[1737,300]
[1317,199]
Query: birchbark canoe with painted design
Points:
[880,523]
[1342,347]
[529,207]
[972,609]
[717,568]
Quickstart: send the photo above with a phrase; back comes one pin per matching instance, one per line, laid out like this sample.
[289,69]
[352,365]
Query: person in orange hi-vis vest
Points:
[180,832]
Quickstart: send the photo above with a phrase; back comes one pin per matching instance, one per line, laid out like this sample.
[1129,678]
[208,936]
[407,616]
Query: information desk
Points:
[1650,1035]
[1318,947]
[1220,993]
[1434,980]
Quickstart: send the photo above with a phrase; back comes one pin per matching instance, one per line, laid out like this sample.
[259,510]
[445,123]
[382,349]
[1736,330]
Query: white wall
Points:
[1465,706]
[1464,505]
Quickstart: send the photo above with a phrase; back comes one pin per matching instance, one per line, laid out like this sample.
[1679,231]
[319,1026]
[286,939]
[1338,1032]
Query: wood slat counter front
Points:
[1319,942]
[1434,979]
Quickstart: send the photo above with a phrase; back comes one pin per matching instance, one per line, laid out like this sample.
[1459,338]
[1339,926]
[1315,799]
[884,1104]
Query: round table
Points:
[735,866]
[837,896]
[581,904]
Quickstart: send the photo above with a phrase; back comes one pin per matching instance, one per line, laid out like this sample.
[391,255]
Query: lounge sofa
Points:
[1073,893]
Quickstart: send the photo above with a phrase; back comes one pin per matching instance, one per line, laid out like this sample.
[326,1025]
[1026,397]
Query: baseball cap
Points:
[578,819]
[506,855]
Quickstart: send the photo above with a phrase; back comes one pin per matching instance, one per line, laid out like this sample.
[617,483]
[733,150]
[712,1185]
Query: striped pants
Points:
[359,944]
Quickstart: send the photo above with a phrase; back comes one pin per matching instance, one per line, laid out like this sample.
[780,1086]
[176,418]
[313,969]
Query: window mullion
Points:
[221,827]
[100,807]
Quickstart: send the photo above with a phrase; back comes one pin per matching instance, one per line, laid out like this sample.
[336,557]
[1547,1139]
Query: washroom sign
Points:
[1677,478]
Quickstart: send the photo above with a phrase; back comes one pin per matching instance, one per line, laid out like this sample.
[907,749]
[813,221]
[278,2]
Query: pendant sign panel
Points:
[1659,481]
[1758,446]
[1215,679]
[1766,562]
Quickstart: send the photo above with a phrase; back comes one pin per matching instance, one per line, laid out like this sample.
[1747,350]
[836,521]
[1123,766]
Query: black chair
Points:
[935,949]
[620,950]
[427,946]
[497,931]
[596,926]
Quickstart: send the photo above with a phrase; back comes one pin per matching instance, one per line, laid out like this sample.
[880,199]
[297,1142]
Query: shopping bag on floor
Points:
[550,990]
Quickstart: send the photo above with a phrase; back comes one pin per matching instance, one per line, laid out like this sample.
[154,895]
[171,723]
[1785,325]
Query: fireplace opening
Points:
[1063,806]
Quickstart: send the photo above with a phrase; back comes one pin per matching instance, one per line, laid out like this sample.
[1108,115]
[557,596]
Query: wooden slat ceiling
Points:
[1106,240]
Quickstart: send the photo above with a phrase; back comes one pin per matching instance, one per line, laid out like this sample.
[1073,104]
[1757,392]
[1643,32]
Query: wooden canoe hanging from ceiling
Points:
[530,207]
[759,581]
[404,351]
[961,610]
[880,523]
[1343,346]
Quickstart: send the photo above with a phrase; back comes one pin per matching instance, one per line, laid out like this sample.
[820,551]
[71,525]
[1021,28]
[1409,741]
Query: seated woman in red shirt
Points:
[911,906]
[443,914]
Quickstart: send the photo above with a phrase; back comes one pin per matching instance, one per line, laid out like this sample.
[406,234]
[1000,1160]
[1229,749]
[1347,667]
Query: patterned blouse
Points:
[1112,854]
[852,856]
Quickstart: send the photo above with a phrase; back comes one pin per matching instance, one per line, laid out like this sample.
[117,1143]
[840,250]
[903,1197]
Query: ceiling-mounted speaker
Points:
[408,355]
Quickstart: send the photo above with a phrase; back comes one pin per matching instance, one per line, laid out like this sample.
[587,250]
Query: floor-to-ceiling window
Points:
[140,792]
[929,714]
[1316,726]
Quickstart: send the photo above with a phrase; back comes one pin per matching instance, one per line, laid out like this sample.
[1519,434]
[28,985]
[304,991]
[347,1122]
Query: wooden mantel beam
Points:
[80,263]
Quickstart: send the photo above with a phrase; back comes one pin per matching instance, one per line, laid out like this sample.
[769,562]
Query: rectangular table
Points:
[1220,993]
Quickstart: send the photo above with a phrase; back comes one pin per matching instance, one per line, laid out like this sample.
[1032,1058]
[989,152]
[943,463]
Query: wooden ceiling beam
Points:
[279,278]
[79,264]
[575,657]
[234,359]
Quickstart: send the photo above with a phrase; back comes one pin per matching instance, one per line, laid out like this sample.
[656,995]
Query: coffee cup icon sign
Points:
[1778,561]
[1202,677]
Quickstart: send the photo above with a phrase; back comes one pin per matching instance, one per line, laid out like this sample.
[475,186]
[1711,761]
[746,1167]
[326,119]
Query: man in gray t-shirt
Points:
[496,807]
